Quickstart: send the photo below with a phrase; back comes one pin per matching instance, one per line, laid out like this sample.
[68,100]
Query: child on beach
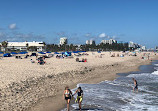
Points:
[79,98]
[67,96]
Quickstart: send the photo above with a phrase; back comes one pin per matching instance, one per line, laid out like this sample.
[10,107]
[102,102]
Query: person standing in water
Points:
[135,85]
[79,98]
[67,96]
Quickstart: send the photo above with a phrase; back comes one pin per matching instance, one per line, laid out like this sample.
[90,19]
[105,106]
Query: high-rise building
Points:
[134,45]
[111,41]
[90,42]
[87,41]
[131,44]
[143,48]
[63,40]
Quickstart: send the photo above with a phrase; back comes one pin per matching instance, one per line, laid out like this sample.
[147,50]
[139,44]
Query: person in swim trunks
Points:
[67,96]
[135,85]
[79,98]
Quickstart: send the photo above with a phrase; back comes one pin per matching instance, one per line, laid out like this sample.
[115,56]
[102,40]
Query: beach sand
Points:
[31,87]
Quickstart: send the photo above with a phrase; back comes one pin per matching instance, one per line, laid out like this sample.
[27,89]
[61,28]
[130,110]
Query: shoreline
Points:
[136,68]
[31,87]
[115,68]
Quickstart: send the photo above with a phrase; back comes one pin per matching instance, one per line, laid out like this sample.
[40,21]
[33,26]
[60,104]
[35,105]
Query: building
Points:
[87,41]
[63,40]
[134,45]
[111,41]
[143,48]
[131,45]
[22,46]
[90,42]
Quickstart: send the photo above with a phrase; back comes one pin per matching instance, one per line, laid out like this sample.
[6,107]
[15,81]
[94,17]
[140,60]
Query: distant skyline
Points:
[79,20]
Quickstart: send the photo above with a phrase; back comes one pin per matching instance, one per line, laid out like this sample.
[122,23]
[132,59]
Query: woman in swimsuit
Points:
[67,96]
[79,98]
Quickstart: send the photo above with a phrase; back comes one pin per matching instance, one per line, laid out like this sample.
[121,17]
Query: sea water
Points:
[118,95]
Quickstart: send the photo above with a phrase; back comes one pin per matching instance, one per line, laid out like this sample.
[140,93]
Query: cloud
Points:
[102,35]
[87,34]
[17,36]
[115,37]
[61,33]
[12,26]
[27,36]
[3,35]
[122,34]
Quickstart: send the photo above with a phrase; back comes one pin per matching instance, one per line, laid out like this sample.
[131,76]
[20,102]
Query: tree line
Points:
[86,47]
[71,47]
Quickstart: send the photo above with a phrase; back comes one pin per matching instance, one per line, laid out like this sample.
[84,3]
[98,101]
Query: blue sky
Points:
[79,20]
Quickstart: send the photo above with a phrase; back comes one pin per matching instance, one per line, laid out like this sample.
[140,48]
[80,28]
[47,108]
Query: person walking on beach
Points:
[67,96]
[135,85]
[79,98]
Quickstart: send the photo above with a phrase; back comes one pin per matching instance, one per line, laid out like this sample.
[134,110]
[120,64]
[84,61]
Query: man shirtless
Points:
[135,85]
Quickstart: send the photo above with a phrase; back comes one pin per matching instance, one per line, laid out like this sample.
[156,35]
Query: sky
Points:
[80,20]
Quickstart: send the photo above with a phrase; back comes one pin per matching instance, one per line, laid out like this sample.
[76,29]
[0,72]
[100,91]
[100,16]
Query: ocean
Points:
[118,95]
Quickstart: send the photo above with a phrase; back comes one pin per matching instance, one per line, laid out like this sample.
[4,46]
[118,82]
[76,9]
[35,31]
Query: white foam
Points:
[156,64]
[155,73]
[138,75]
[106,91]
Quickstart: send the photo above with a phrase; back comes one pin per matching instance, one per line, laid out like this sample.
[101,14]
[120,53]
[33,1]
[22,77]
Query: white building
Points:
[63,40]
[131,44]
[143,48]
[22,46]
[87,41]
[90,42]
[111,41]
[134,45]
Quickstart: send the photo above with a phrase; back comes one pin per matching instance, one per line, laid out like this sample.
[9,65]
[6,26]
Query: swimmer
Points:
[135,85]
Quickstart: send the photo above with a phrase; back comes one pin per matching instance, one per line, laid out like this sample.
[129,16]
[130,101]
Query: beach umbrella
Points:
[23,52]
[1,53]
[7,55]
[56,53]
[75,51]
[14,53]
[62,52]
[41,52]
[48,52]
[68,53]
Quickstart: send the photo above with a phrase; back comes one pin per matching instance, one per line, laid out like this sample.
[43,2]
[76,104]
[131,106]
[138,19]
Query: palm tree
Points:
[5,44]
[27,45]
[44,45]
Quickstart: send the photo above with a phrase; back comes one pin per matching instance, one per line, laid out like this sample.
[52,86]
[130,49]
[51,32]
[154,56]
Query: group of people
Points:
[40,60]
[83,60]
[67,95]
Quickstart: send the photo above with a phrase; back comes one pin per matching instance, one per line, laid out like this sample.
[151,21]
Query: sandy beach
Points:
[31,87]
